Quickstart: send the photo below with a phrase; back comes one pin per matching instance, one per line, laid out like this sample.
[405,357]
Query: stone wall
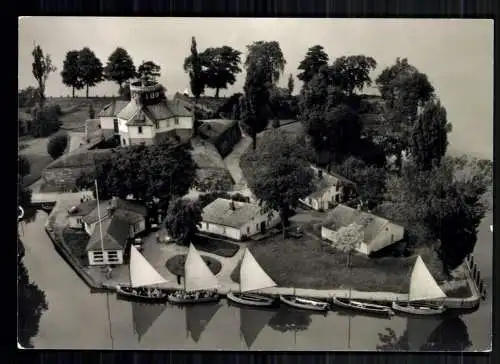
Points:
[65,178]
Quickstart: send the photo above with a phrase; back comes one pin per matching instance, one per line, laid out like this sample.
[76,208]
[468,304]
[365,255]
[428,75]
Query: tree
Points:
[266,55]
[119,68]
[148,71]
[41,68]
[125,92]
[90,69]
[385,81]
[71,72]
[290,85]
[147,172]
[348,239]
[57,144]
[353,72]
[196,80]
[278,172]
[315,59]
[31,305]
[28,97]
[45,120]
[23,165]
[369,179]
[219,67]
[429,136]
[183,219]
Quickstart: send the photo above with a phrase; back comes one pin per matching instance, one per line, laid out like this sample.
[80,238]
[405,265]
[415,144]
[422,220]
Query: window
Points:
[176,121]
[124,142]
[78,220]
[97,257]
[113,256]
[157,124]
[248,229]
[168,123]
[137,227]
[223,230]
[257,227]
[139,129]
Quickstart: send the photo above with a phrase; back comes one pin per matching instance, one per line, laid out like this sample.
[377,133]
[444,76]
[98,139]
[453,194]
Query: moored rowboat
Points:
[304,303]
[418,309]
[371,308]
[250,299]
[186,298]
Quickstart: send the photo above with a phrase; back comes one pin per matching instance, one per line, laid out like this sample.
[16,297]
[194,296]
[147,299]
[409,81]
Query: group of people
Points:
[147,291]
[195,295]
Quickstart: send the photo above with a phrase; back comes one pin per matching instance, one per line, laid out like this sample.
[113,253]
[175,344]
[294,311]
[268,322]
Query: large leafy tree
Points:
[31,305]
[147,172]
[219,67]
[315,58]
[71,72]
[91,70]
[353,72]
[119,68]
[42,67]
[267,55]
[148,71]
[278,172]
[429,136]
[183,219]
[386,80]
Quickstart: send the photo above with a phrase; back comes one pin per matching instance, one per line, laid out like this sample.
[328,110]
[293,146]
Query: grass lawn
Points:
[215,246]
[76,241]
[37,164]
[309,263]
[176,264]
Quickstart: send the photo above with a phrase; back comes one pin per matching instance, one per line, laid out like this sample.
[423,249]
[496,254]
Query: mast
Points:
[99,217]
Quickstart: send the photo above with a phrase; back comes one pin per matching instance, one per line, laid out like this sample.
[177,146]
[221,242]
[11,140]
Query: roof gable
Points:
[115,233]
[220,212]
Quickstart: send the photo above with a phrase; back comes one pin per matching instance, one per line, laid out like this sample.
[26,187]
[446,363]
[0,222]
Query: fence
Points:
[475,274]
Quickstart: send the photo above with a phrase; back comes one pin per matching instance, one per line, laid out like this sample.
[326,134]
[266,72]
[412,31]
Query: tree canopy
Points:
[42,67]
[267,55]
[71,72]
[314,59]
[148,71]
[90,69]
[353,72]
[57,144]
[290,85]
[278,172]
[120,67]
[146,172]
[183,219]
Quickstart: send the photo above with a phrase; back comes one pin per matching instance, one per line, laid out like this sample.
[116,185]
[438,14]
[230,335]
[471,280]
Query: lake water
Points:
[77,319]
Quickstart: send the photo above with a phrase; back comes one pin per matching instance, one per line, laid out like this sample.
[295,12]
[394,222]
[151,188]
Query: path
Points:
[232,162]
[76,139]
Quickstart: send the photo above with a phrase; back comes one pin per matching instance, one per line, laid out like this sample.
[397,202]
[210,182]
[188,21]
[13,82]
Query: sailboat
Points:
[252,278]
[423,288]
[200,284]
[144,279]
[304,303]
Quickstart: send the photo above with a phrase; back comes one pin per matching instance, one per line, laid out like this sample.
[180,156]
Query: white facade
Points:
[75,222]
[96,257]
[107,122]
[257,224]
[325,199]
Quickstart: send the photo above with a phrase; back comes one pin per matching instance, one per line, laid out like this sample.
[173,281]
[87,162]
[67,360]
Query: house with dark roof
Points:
[120,220]
[330,190]
[236,220]
[378,232]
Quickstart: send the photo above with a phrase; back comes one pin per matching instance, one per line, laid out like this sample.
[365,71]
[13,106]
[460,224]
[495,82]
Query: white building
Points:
[377,231]
[236,220]
[330,190]
[149,117]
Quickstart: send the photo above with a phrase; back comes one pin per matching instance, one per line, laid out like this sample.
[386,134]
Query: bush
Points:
[57,145]
[58,109]
[176,264]
[46,120]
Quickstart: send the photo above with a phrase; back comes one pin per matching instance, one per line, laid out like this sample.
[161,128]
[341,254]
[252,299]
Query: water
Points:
[77,319]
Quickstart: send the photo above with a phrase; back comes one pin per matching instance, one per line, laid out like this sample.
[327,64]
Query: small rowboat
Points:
[304,303]
[142,294]
[187,299]
[250,299]
[418,309]
[365,307]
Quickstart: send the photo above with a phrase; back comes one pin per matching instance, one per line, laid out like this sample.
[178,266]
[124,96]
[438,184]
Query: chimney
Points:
[231,205]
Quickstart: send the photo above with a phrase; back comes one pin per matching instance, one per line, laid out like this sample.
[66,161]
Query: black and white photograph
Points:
[255,184]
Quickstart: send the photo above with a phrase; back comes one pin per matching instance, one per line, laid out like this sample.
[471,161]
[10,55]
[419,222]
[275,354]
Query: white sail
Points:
[141,272]
[423,286]
[252,276]
[197,274]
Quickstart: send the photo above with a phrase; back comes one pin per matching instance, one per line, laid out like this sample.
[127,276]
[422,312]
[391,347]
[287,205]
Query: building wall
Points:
[147,132]
[110,257]
[221,230]
[331,195]
[75,222]
[390,234]
[107,122]
[137,228]
[253,226]
[137,141]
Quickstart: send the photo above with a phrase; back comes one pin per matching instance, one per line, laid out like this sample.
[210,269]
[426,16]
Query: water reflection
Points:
[252,321]
[447,333]
[288,319]
[198,317]
[144,315]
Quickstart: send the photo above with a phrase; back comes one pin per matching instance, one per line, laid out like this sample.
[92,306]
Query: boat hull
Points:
[304,303]
[250,299]
[418,309]
[369,308]
[126,292]
[181,300]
